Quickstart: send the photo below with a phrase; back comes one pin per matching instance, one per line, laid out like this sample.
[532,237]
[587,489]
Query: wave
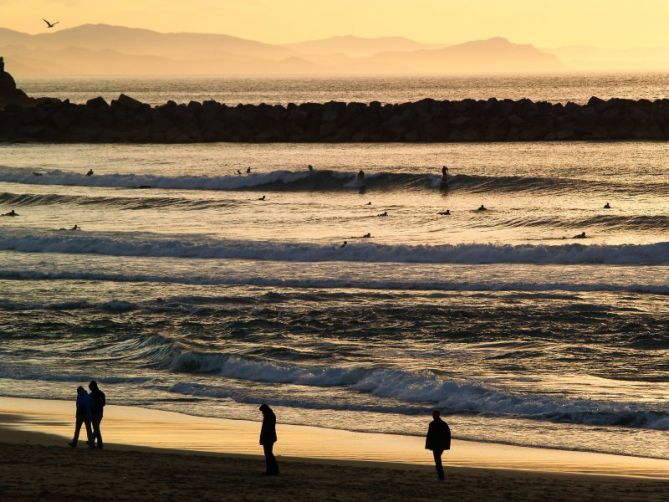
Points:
[316,283]
[130,203]
[608,222]
[425,388]
[157,246]
[326,180]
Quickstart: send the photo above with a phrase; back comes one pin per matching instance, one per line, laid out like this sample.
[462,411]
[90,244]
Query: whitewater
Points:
[191,284]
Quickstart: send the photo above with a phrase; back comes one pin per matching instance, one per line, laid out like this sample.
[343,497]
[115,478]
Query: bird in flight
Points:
[50,25]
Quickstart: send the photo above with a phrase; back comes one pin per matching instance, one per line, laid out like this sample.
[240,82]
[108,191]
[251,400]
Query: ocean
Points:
[193,288]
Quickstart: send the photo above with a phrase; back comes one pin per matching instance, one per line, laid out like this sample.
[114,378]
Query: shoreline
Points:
[50,422]
[37,464]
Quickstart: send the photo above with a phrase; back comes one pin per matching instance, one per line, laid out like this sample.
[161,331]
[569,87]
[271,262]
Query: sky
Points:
[545,23]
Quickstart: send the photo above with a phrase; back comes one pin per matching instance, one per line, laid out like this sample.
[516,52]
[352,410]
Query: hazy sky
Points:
[547,23]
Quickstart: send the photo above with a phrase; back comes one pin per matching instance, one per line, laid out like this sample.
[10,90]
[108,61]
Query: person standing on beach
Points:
[438,439]
[268,438]
[99,403]
[83,416]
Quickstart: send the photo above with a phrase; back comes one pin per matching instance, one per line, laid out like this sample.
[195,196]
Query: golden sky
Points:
[545,23]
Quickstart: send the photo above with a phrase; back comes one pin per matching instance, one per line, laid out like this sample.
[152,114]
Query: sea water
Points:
[183,291]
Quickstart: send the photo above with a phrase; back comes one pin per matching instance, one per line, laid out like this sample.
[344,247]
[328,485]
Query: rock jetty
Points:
[127,120]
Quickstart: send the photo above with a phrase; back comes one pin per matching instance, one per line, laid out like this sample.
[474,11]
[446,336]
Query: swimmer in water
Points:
[607,206]
[580,236]
[482,208]
[343,245]
[11,213]
[90,172]
[445,213]
[262,198]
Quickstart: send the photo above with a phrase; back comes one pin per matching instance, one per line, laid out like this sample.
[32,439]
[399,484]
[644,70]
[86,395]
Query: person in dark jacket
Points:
[83,416]
[438,439]
[268,438]
[99,402]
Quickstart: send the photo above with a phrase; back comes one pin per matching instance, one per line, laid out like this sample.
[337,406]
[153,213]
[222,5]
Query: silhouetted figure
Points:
[248,170]
[76,227]
[262,198]
[37,174]
[99,402]
[438,439]
[607,206]
[239,172]
[343,245]
[268,438]
[11,213]
[361,175]
[50,25]
[369,203]
[445,213]
[385,213]
[310,167]
[90,172]
[367,236]
[83,416]
[444,174]
[482,208]
[580,236]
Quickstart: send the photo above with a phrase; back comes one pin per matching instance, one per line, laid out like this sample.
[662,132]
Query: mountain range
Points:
[102,50]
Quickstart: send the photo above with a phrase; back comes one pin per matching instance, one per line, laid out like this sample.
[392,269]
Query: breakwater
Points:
[128,120]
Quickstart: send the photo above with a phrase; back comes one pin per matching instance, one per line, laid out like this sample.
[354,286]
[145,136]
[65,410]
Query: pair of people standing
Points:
[90,410]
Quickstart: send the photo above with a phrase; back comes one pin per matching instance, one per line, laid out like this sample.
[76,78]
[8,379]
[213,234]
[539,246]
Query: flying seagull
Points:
[50,25]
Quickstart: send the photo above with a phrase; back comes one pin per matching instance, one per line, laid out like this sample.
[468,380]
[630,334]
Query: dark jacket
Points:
[268,430]
[438,436]
[99,402]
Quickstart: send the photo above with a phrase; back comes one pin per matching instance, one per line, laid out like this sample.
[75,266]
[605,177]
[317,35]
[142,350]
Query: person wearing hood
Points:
[83,415]
[99,402]
[268,438]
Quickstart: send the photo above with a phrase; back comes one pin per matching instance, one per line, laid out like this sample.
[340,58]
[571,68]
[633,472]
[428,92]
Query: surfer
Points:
[262,198]
[385,213]
[11,213]
[239,173]
[37,174]
[445,213]
[482,208]
[444,174]
[361,175]
[343,245]
[367,236]
[76,227]
[580,236]
[90,172]
[310,167]
[248,170]
[369,203]
[607,206]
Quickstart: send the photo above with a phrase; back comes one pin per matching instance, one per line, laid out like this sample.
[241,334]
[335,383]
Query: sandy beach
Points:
[155,455]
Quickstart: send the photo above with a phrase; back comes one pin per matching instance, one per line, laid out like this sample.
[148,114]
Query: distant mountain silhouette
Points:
[104,50]
[358,46]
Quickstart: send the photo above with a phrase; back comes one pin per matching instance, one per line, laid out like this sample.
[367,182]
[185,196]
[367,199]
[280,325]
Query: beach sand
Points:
[154,455]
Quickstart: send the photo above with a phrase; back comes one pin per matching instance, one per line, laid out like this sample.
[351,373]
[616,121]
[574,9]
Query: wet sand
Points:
[153,455]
